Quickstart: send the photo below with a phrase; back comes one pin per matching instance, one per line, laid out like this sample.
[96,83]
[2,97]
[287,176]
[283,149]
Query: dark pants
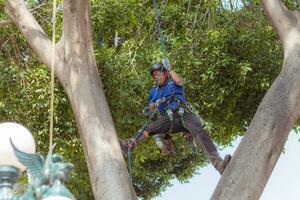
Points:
[192,124]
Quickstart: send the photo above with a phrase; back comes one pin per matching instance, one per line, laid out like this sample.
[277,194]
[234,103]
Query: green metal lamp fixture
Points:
[17,154]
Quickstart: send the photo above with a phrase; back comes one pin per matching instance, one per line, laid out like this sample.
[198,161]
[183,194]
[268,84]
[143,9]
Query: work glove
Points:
[166,63]
[131,142]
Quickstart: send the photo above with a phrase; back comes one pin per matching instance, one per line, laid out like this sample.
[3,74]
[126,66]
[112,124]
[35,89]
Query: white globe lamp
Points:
[20,137]
[15,134]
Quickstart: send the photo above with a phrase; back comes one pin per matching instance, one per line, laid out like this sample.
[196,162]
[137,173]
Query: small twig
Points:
[9,21]
[189,6]
[5,22]
[40,16]
[16,49]
[4,43]
[196,15]
[38,6]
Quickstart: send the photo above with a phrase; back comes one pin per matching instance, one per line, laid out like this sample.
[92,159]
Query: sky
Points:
[283,184]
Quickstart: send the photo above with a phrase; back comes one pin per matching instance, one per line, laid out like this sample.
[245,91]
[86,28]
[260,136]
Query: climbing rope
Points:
[160,100]
[161,37]
[140,132]
[52,74]
[129,163]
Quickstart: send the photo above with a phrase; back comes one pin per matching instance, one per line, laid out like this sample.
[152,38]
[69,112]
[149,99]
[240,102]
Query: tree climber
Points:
[169,99]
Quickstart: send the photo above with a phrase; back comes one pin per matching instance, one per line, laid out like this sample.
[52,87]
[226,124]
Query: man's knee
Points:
[146,133]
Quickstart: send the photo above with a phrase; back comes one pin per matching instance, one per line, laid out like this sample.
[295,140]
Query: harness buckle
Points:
[181,111]
[170,114]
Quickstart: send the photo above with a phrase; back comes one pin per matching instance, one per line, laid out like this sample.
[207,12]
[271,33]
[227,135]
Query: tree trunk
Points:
[105,163]
[77,71]
[256,156]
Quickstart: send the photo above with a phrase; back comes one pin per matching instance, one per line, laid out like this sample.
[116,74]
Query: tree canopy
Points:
[228,58]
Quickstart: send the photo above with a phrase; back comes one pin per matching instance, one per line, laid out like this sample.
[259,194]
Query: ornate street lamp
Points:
[17,154]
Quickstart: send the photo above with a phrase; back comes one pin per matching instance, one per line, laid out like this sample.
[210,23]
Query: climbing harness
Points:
[171,118]
[180,109]
[181,112]
[140,132]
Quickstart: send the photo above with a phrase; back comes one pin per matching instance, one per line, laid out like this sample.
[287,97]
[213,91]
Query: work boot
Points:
[168,147]
[220,164]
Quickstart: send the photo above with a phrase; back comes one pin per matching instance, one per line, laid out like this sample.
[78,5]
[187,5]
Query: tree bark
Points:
[77,71]
[256,156]
[281,18]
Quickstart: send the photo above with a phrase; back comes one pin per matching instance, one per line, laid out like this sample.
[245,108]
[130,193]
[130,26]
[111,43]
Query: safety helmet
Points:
[156,66]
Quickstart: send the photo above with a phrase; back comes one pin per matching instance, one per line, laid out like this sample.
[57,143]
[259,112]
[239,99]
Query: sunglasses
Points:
[155,74]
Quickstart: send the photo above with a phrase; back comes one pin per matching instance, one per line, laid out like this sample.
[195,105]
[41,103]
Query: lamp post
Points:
[17,154]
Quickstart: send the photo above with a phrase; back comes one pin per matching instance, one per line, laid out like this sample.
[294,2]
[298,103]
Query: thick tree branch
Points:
[281,18]
[251,166]
[34,34]
[95,124]
[77,26]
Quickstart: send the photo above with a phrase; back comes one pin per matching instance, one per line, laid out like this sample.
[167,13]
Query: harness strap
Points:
[171,114]
[191,141]
[191,138]
[171,118]
[181,112]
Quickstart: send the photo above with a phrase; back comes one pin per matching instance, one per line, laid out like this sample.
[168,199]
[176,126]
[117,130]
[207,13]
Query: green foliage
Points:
[24,98]
[228,60]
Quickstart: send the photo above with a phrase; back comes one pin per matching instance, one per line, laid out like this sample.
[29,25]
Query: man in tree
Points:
[176,116]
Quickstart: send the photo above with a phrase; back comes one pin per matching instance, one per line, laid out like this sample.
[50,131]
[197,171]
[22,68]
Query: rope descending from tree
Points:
[161,37]
[52,74]
[129,163]
[140,132]
[163,50]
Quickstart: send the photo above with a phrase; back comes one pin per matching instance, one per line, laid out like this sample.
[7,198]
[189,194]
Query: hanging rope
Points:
[140,132]
[52,74]
[161,37]
[160,100]
[129,164]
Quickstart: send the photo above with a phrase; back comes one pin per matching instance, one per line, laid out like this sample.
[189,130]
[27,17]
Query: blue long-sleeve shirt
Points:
[167,90]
